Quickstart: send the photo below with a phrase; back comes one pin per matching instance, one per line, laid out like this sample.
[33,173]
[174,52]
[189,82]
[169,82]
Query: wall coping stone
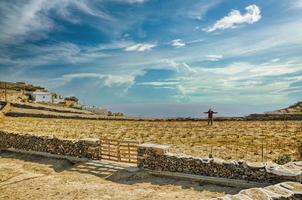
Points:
[154,146]
[283,171]
[90,140]
[255,165]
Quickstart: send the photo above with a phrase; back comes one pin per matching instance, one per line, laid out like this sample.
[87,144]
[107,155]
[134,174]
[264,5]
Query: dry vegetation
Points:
[225,139]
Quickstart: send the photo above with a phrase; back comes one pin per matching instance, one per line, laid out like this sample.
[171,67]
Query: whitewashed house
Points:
[41,97]
[57,98]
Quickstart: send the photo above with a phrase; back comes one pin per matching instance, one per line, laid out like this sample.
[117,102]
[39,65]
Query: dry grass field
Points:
[247,140]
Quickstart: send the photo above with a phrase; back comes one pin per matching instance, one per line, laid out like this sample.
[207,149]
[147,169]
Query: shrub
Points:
[282,159]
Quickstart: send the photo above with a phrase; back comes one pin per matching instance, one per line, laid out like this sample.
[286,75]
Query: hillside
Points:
[20,86]
[39,110]
[293,109]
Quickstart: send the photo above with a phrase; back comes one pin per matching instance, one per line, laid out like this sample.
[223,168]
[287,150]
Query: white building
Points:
[57,98]
[41,97]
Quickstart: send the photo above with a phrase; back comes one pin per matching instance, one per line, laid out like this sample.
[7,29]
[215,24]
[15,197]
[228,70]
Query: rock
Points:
[256,194]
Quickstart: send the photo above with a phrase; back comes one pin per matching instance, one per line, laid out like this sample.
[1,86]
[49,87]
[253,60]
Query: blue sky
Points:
[158,57]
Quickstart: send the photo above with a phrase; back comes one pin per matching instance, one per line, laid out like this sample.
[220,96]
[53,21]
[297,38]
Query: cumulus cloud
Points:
[234,18]
[177,43]
[214,57]
[140,47]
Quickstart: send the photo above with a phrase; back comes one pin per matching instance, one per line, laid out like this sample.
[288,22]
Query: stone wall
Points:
[84,148]
[157,157]
[281,117]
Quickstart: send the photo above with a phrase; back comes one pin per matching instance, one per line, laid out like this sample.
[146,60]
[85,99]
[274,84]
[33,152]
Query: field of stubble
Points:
[247,140]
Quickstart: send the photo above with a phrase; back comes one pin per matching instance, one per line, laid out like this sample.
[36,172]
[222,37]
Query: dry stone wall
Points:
[84,148]
[157,157]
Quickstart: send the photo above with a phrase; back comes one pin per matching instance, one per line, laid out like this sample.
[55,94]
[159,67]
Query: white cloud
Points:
[159,83]
[296,4]
[199,10]
[131,1]
[108,80]
[214,57]
[177,43]
[247,81]
[182,68]
[275,60]
[20,20]
[140,47]
[252,15]
[136,1]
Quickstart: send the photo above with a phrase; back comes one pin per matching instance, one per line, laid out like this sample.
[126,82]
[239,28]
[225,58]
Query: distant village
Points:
[27,93]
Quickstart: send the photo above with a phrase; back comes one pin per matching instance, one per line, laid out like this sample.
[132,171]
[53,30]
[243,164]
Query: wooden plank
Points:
[126,154]
[119,153]
[107,156]
[127,157]
[129,152]
[126,151]
[113,150]
[126,146]
[129,141]
[129,162]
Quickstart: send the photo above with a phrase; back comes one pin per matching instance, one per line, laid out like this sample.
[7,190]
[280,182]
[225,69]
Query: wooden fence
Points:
[118,150]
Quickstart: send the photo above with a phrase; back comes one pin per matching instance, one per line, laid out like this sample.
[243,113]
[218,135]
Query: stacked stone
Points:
[281,191]
[263,117]
[84,148]
[155,157]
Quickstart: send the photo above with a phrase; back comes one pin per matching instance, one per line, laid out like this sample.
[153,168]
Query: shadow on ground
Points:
[58,165]
[115,172]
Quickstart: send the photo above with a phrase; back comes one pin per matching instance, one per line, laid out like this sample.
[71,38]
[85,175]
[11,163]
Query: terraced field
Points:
[249,140]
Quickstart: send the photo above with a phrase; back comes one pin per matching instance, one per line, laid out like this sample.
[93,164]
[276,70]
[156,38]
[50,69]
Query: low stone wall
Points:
[84,148]
[281,117]
[37,107]
[157,157]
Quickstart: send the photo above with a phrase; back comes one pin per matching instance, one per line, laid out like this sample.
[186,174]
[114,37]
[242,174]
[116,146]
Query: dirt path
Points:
[33,177]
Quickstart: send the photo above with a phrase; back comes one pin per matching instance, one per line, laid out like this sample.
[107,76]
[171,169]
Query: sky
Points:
[163,58]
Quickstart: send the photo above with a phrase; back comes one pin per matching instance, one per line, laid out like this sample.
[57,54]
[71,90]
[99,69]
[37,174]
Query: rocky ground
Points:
[34,177]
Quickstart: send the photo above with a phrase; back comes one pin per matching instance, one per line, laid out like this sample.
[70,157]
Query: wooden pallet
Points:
[118,150]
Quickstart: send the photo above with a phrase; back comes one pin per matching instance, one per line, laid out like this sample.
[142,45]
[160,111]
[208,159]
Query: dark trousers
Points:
[210,121]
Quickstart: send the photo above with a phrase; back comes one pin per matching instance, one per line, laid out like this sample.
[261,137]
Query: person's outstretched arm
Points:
[205,112]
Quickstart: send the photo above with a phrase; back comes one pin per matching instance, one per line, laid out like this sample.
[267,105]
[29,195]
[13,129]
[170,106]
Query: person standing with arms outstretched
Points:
[210,116]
